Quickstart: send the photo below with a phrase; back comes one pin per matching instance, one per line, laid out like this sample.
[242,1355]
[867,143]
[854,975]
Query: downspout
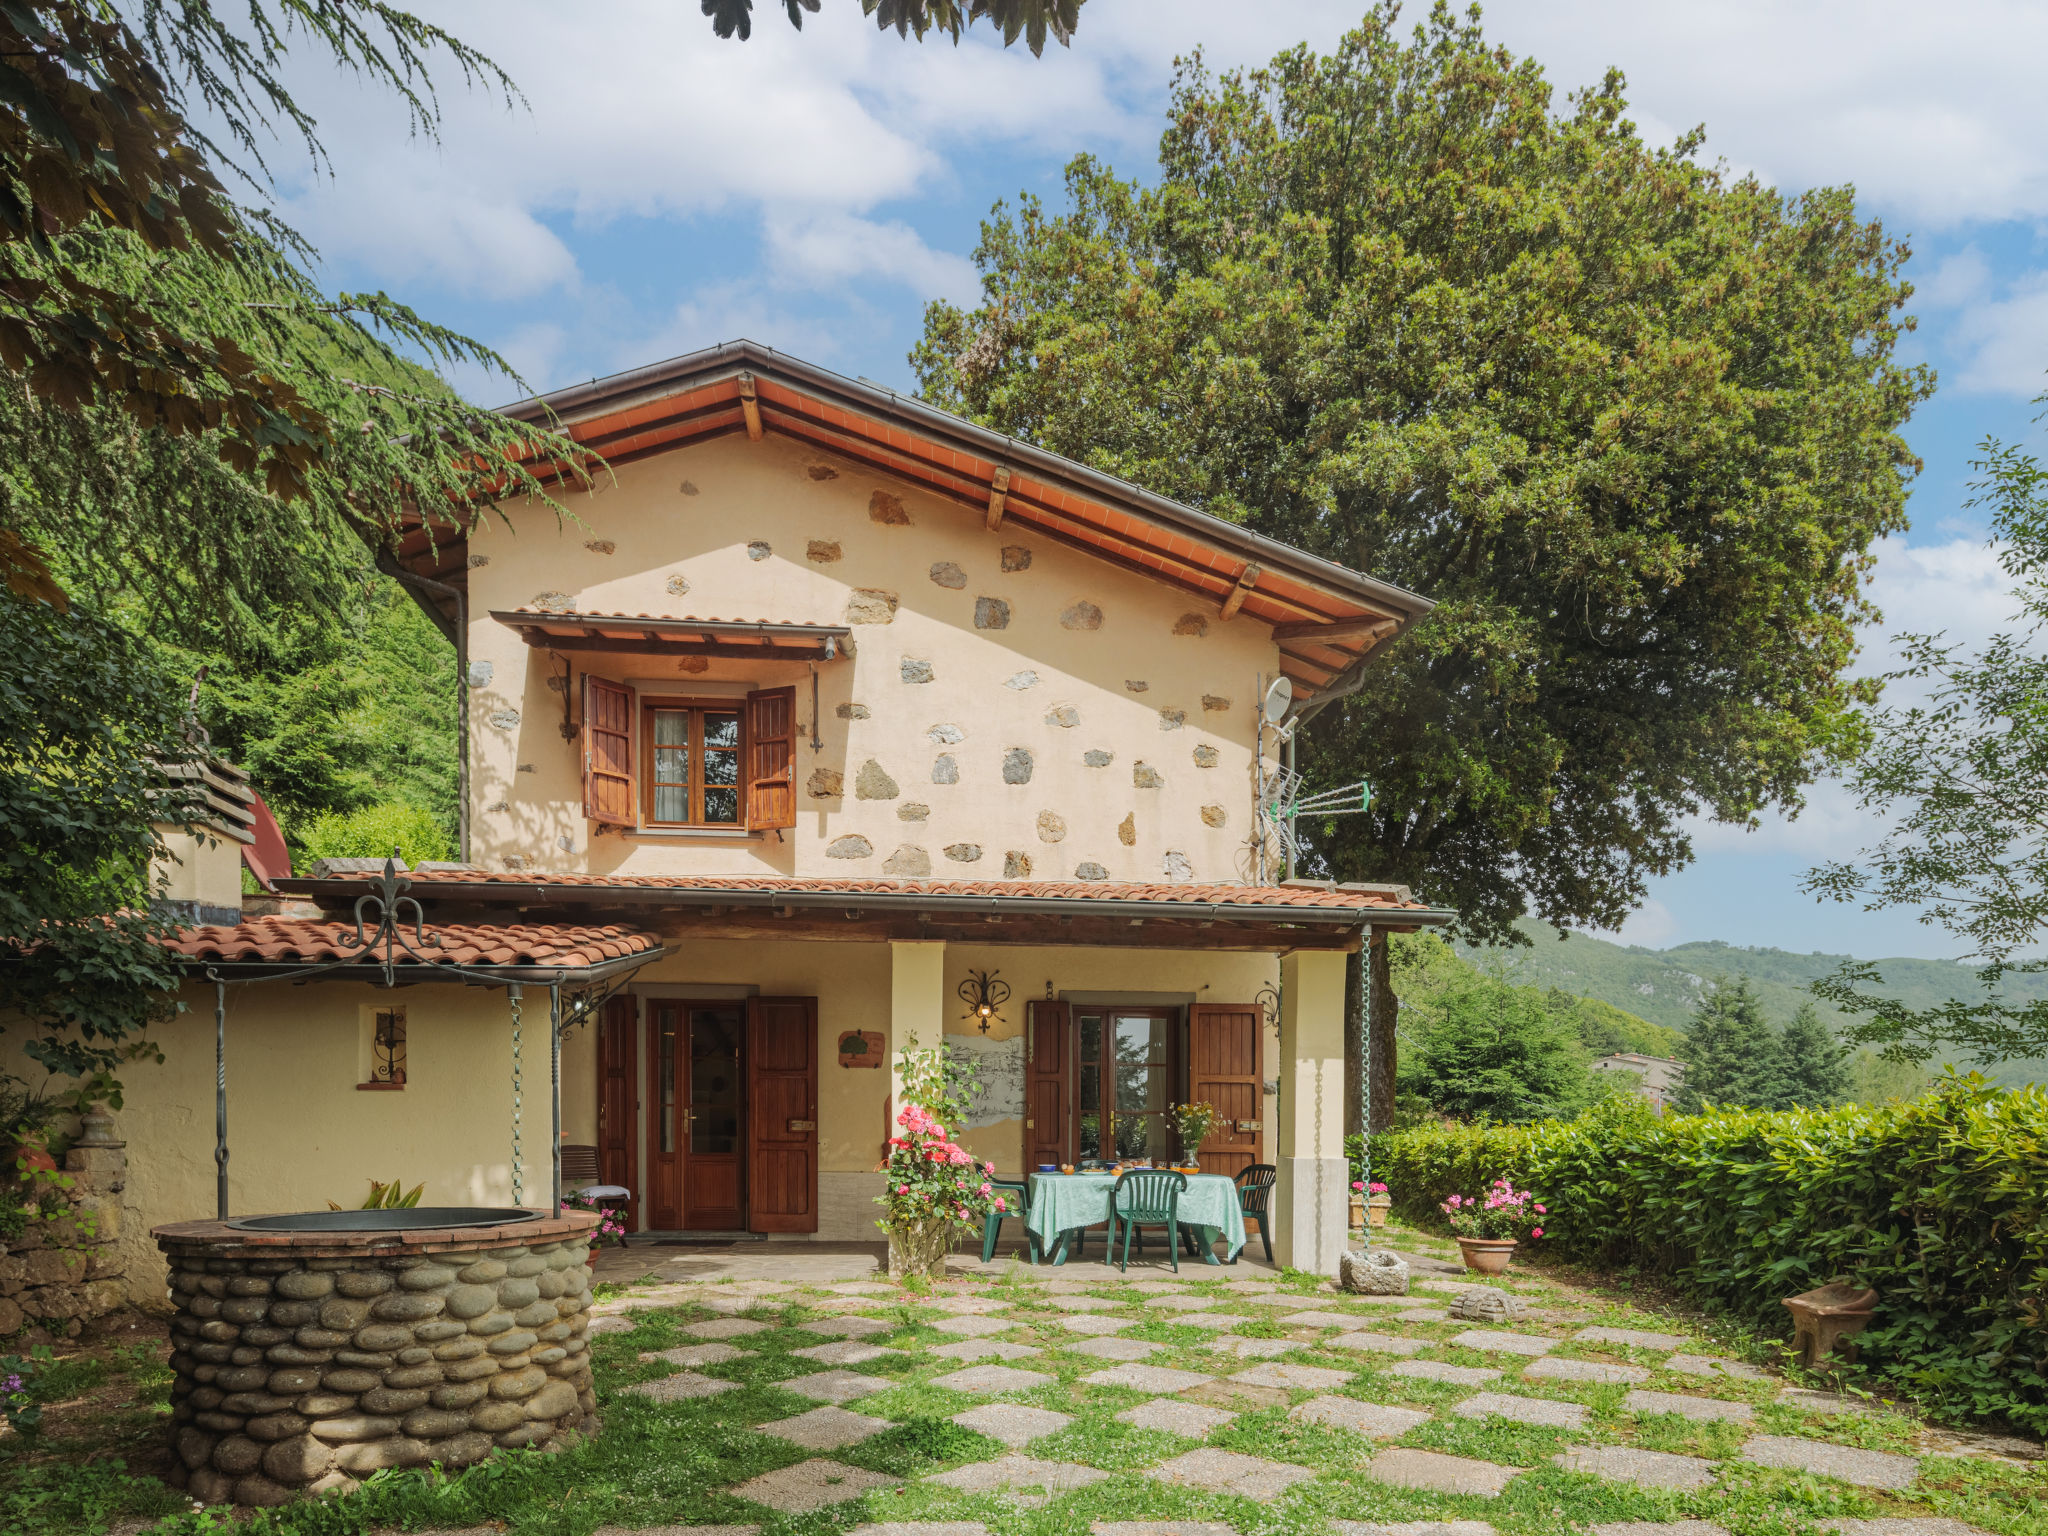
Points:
[390,567]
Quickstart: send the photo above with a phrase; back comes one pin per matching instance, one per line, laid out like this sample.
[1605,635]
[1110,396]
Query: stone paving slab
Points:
[1634,1338]
[1702,1409]
[727,1305]
[1898,1525]
[984,1349]
[1315,1319]
[1081,1303]
[1825,1402]
[920,1528]
[1423,1315]
[988,1380]
[974,1327]
[1436,1370]
[1646,1469]
[1177,1416]
[1545,1411]
[1866,1469]
[1279,1299]
[611,1324]
[724,1328]
[862,1288]
[1251,1349]
[1146,1378]
[680,1388]
[1160,1528]
[1222,1322]
[845,1352]
[1550,1368]
[1177,1301]
[607,1530]
[1018,1471]
[1248,1285]
[698,1354]
[825,1429]
[1160,1287]
[1378,1343]
[835,1386]
[847,1327]
[1013,1423]
[1412,1528]
[811,1485]
[1660,1528]
[1095,1327]
[1500,1343]
[1714,1365]
[1216,1471]
[968,1306]
[1113,1348]
[1360,1418]
[1305,1378]
[1434,1472]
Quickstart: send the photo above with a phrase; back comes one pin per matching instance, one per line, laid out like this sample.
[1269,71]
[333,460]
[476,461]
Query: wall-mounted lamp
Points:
[984,993]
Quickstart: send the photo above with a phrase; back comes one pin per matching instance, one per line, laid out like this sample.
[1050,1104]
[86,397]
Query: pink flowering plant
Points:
[1502,1214]
[933,1187]
[611,1226]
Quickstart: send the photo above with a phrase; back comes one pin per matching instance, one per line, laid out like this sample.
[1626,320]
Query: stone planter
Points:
[307,1360]
[1825,1324]
[1486,1255]
[1357,1214]
[1378,1208]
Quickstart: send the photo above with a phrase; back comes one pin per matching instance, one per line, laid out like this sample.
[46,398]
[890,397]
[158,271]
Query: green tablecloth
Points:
[1063,1202]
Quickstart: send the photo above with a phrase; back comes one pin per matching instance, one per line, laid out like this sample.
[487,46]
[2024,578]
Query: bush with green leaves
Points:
[1940,1203]
[373,832]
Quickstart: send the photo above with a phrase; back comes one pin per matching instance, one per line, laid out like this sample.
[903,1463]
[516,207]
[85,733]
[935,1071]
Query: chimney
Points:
[199,872]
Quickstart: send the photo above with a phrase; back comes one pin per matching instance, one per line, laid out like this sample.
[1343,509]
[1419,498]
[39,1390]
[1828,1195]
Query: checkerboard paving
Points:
[1013,1423]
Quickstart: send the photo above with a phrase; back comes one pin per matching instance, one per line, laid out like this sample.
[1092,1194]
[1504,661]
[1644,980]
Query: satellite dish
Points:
[1278,697]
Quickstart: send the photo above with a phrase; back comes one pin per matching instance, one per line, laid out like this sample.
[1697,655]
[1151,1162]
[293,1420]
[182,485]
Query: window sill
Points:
[380,1087]
[696,834]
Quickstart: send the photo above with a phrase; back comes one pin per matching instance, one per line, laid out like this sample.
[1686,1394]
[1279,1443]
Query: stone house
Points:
[1661,1075]
[823,719]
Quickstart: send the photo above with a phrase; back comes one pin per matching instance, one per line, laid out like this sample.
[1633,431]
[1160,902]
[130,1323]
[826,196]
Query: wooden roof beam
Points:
[1372,626]
[750,407]
[1246,580]
[998,497]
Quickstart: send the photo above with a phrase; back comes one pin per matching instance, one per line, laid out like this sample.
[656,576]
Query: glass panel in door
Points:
[1089,1096]
[1144,1085]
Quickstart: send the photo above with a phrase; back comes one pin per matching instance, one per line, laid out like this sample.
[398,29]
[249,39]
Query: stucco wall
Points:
[1104,680]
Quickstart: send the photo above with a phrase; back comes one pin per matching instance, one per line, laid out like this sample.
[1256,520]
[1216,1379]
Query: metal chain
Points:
[1365,1084]
[518,1098]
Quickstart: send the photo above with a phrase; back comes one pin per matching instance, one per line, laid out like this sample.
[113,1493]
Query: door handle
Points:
[1251,1125]
[803,1125]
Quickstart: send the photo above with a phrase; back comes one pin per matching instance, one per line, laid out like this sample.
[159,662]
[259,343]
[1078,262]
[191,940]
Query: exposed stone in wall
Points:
[527,768]
[852,711]
[1083,615]
[505,719]
[1017,766]
[1137,685]
[1052,827]
[1191,624]
[1016,865]
[693,664]
[299,1374]
[1214,815]
[991,613]
[601,546]
[1016,557]
[688,488]
[759,550]
[871,605]
[1065,716]
[821,471]
[963,853]
[1175,865]
[908,860]
[1144,776]
[915,671]
[912,810]
[825,783]
[1090,871]
[566,841]
[1172,719]
[678,585]
[946,574]
[945,735]
[553,602]
[851,846]
[1021,680]
[1214,704]
[478,562]
[1096,757]
[823,551]
[1205,756]
[884,508]
[872,782]
[62,1273]
[1127,830]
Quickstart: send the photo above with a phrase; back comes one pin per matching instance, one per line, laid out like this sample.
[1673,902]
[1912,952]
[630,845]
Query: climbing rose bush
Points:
[934,1187]
[1503,1214]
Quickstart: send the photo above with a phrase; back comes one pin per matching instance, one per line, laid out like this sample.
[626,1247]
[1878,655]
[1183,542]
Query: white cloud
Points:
[838,247]
[1650,925]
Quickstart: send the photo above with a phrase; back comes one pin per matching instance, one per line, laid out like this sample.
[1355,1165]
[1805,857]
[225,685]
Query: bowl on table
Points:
[1047,1167]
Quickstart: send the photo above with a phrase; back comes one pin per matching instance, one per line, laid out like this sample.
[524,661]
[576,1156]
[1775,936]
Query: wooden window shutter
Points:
[610,797]
[782,1114]
[771,758]
[1048,1085]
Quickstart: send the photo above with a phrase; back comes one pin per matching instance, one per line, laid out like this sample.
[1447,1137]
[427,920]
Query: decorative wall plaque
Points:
[862,1048]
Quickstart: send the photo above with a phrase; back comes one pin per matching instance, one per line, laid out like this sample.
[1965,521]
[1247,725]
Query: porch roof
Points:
[660,634]
[536,953]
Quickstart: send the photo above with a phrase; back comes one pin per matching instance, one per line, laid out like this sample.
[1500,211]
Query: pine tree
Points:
[1730,1051]
[1811,1067]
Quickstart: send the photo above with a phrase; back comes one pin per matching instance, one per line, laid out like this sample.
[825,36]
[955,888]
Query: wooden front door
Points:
[618,1101]
[1224,1067]
[696,1127]
[782,1113]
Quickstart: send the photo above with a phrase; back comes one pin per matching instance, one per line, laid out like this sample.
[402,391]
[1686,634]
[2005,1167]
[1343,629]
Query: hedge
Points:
[1940,1203]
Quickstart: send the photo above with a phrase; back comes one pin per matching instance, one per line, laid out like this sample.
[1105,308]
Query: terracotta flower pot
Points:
[1378,1208]
[1486,1255]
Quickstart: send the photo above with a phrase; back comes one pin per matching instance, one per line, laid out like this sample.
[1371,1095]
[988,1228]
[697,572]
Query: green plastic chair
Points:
[1145,1197]
[1255,1200]
[1019,1207]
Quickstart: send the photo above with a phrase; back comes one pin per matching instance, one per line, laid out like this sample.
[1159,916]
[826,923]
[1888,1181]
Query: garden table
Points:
[1067,1202]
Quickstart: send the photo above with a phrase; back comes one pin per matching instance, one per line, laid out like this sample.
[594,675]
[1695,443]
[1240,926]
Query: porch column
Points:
[917,1006]
[1313,1177]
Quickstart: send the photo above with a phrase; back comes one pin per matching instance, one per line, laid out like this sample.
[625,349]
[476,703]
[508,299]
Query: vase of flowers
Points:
[1490,1227]
[932,1186]
[1191,1122]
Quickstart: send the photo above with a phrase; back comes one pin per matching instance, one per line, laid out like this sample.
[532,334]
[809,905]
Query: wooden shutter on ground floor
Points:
[782,1114]
[618,1101]
[1048,1084]
[771,758]
[609,796]
[1225,1068]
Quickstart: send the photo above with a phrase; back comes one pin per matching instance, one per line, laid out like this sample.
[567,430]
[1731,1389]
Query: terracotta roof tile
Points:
[297,941]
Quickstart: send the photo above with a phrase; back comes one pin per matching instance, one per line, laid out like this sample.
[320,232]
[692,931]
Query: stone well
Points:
[306,1359]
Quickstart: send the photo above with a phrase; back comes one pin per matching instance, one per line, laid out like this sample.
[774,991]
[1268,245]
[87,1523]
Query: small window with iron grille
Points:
[383,1055]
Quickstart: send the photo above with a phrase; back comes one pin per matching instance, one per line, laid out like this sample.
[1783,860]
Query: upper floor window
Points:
[713,763]
[693,759]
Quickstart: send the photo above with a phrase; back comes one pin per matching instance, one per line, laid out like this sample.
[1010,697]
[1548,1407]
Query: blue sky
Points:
[660,190]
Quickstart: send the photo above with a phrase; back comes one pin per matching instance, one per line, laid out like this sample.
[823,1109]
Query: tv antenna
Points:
[1279,799]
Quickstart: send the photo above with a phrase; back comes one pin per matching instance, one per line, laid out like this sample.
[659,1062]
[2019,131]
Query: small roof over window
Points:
[649,634]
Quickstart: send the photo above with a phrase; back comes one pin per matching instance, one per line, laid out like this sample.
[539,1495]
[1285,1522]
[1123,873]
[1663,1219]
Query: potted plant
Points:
[1192,1122]
[1378,1204]
[932,1187]
[1356,1207]
[1490,1226]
